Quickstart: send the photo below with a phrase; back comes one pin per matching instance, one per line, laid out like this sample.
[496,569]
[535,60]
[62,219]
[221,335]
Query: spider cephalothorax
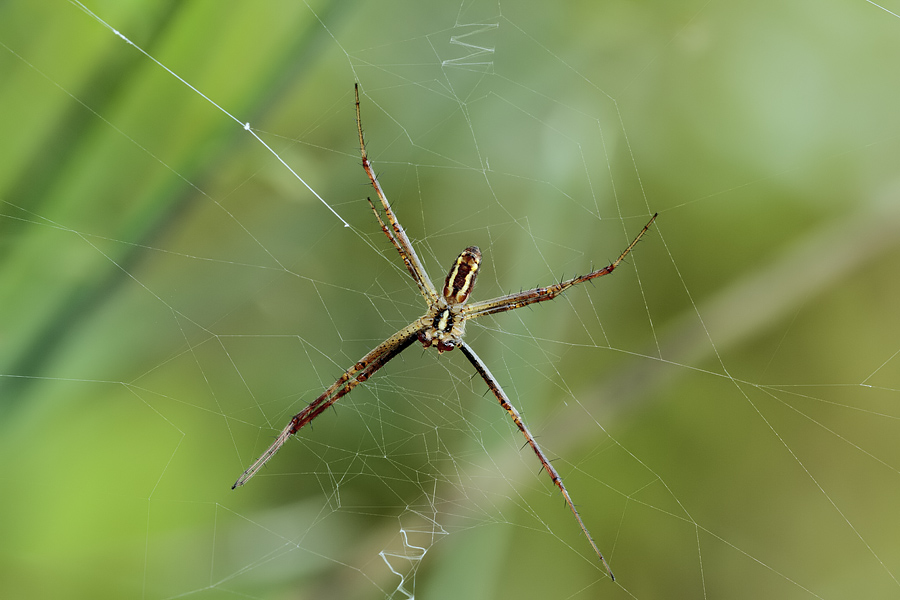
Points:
[442,327]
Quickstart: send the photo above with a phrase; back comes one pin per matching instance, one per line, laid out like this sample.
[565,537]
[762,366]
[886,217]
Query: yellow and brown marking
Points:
[461,278]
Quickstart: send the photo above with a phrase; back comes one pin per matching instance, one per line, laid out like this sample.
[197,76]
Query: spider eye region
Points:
[461,278]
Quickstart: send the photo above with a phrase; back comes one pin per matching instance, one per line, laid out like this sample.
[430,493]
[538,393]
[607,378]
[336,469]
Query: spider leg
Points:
[398,237]
[351,378]
[512,301]
[517,419]
[390,236]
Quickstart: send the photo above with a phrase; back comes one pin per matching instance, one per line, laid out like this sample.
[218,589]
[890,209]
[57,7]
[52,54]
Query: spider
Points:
[441,327]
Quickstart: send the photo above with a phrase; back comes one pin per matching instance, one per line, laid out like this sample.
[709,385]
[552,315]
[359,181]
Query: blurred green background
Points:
[723,409]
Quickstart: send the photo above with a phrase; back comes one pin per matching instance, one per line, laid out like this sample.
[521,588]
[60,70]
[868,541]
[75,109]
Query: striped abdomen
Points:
[461,278]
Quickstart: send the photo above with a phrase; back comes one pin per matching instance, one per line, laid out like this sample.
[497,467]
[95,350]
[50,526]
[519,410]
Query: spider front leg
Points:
[513,301]
[398,237]
[495,388]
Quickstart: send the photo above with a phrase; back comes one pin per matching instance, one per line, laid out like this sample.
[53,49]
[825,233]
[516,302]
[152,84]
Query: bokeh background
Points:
[723,408]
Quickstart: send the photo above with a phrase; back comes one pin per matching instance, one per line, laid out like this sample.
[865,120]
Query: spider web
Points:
[188,258]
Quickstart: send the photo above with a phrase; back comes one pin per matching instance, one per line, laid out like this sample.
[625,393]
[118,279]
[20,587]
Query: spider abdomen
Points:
[461,278]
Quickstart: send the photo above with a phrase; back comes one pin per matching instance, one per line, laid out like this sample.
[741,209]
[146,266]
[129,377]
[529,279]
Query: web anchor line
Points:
[244,126]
